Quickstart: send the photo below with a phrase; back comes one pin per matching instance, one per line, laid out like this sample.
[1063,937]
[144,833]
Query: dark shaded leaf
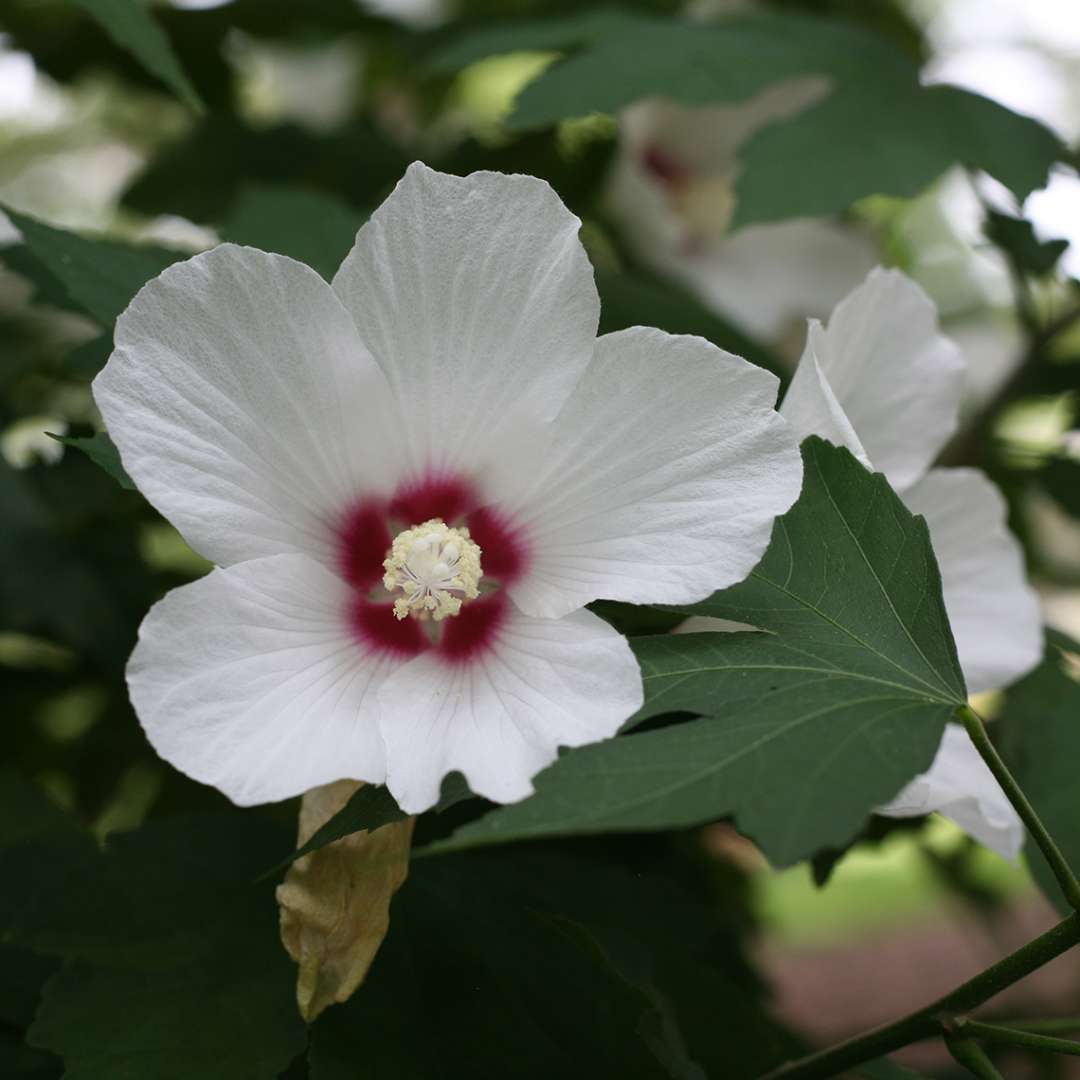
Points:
[1040,741]
[1060,478]
[132,27]
[22,975]
[556,965]
[315,228]
[1017,237]
[201,175]
[101,276]
[167,932]
[100,449]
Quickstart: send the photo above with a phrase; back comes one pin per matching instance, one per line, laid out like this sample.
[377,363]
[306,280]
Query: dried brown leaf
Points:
[335,902]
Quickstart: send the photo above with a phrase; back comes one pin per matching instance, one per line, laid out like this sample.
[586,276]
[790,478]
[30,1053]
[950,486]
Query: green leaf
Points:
[315,228]
[174,965]
[133,28]
[371,807]
[878,130]
[1040,742]
[809,725]
[100,276]
[1017,237]
[101,450]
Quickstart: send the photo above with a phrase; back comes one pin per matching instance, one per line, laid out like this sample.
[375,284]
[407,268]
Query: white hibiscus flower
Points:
[412,481]
[672,193]
[882,380]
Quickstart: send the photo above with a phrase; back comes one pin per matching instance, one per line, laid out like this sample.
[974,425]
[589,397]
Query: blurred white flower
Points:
[881,380]
[313,85]
[672,193]
[25,442]
[417,13]
[413,481]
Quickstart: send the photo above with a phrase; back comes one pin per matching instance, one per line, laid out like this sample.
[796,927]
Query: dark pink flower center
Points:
[364,536]
[664,167]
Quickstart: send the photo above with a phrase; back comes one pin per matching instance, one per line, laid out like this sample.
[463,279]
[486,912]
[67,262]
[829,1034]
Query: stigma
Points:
[435,568]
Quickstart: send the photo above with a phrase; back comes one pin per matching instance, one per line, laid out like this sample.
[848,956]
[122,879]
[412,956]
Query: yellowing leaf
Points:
[335,902]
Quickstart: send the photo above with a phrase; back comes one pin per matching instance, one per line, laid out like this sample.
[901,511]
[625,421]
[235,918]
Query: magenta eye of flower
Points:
[664,167]
[437,585]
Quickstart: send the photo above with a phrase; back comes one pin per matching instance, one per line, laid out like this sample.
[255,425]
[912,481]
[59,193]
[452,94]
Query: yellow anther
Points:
[436,568]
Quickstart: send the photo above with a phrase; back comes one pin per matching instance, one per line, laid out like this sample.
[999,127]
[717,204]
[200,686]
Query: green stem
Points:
[973,1057]
[1043,1027]
[930,1021]
[998,1033]
[1066,879]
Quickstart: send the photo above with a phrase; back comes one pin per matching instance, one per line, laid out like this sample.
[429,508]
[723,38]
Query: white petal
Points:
[960,786]
[764,277]
[810,406]
[474,294]
[665,473]
[249,680]
[894,375]
[500,718]
[243,404]
[993,610]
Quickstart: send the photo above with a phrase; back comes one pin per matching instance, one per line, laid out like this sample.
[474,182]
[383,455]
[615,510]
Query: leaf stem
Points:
[973,1057]
[1066,879]
[933,1019]
[999,1033]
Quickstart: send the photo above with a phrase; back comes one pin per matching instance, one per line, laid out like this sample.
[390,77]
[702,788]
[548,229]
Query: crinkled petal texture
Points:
[475,297]
[501,718]
[250,680]
[233,395]
[960,786]
[662,479]
[993,611]
[895,376]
